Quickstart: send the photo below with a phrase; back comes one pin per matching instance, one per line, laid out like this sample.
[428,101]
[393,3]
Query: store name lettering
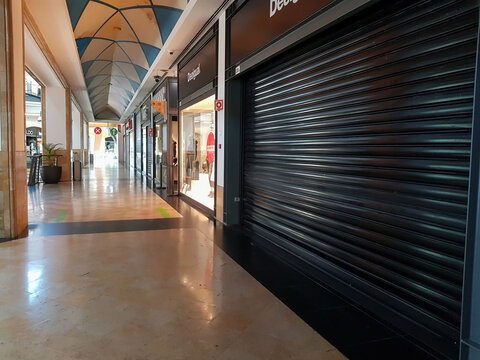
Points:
[278,5]
[193,75]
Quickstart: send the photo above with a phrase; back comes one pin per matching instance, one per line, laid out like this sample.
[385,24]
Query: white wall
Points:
[55,124]
[76,127]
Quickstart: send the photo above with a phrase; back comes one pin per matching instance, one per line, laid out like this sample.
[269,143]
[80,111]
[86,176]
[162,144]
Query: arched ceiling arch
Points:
[117,41]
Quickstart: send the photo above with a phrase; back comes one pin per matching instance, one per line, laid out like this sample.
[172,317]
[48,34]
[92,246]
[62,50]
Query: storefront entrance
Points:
[161,156]
[197,123]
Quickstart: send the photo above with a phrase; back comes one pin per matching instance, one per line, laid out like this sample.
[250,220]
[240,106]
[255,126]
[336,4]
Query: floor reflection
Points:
[159,294]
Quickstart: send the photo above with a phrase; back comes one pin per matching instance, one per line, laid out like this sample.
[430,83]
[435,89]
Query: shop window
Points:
[198,152]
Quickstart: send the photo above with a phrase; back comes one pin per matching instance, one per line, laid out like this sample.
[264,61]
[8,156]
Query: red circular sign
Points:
[218,105]
[98,130]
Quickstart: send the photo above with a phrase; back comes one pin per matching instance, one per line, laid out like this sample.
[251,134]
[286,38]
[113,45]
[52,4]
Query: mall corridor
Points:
[240,179]
[83,285]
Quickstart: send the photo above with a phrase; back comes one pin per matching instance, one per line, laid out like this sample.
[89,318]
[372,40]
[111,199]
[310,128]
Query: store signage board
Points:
[199,71]
[159,96]
[33,131]
[98,130]
[267,20]
[218,105]
[159,106]
[145,112]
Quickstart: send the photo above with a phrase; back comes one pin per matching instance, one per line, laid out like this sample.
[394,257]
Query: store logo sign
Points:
[278,5]
[193,75]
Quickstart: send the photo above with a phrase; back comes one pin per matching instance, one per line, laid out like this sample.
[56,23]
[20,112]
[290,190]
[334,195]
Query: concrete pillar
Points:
[13,160]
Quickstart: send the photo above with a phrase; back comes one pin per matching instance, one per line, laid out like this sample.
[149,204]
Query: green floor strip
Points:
[164,212]
[61,216]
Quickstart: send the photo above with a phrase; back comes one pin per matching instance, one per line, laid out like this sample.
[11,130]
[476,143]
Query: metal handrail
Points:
[35,166]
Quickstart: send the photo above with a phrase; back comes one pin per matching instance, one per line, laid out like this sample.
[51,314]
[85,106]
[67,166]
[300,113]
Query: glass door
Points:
[161,157]
[197,129]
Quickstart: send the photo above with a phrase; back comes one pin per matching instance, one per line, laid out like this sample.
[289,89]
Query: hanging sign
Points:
[150,132]
[98,130]
[113,132]
[159,106]
[218,105]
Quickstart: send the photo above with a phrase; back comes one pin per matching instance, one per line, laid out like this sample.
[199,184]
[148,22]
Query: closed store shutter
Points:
[356,154]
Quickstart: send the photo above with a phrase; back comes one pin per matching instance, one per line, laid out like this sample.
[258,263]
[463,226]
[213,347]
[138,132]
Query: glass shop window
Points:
[197,127]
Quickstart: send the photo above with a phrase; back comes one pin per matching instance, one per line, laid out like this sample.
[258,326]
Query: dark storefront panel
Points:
[198,71]
[356,155]
[272,21]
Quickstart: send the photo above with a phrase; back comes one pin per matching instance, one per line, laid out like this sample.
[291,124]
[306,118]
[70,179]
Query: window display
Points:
[161,147]
[198,152]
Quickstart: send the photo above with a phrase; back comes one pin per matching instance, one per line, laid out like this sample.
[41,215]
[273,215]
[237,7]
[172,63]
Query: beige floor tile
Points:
[140,295]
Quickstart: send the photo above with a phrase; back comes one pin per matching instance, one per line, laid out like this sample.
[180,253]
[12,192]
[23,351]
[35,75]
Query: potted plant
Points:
[51,173]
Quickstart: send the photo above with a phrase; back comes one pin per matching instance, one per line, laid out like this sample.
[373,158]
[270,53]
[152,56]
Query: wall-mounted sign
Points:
[98,130]
[145,112]
[113,132]
[195,72]
[218,105]
[267,20]
[130,124]
[33,131]
[160,94]
[119,128]
[200,70]
[159,106]
[150,132]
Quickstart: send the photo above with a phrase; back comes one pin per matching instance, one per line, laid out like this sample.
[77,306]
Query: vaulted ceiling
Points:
[117,41]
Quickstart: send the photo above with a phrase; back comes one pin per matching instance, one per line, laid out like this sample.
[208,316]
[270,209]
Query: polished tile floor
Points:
[157,289]
[110,193]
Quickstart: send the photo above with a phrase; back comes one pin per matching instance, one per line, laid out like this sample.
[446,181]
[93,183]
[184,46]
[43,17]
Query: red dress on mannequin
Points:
[211,147]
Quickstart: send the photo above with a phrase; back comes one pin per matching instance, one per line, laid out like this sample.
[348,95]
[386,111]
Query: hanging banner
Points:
[159,106]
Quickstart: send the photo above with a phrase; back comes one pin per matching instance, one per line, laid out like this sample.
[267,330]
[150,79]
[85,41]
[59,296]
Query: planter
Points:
[51,174]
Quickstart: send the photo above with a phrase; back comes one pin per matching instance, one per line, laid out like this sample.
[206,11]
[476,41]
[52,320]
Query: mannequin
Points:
[211,159]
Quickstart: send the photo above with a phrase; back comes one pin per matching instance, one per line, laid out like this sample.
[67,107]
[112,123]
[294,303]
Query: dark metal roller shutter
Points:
[357,153]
